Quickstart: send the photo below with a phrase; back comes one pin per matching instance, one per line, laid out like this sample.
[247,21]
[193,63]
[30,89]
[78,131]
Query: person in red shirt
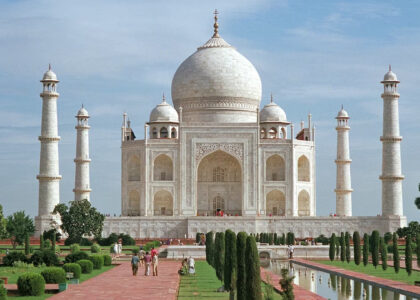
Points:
[153,252]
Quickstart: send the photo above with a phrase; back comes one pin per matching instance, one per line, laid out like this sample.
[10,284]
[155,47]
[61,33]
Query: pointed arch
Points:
[275,203]
[163,168]
[275,168]
[133,203]
[303,169]
[163,132]
[263,133]
[133,168]
[272,133]
[154,133]
[163,204]
[304,208]
[173,133]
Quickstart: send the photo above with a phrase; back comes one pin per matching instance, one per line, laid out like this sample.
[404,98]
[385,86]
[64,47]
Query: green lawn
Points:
[389,273]
[204,284]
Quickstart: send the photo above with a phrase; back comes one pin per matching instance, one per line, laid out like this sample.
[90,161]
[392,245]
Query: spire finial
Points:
[49,67]
[271,98]
[342,106]
[216,25]
[82,105]
[389,68]
[163,98]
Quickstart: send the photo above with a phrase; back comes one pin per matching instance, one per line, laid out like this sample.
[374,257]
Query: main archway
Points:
[163,204]
[276,203]
[219,185]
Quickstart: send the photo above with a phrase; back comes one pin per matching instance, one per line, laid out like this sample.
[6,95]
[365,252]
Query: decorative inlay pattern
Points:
[202,149]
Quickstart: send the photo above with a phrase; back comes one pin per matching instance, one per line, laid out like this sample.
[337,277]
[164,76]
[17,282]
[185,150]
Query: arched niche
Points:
[164,132]
[219,174]
[133,203]
[275,203]
[304,208]
[275,168]
[163,204]
[272,133]
[163,168]
[303,169]
[133,168]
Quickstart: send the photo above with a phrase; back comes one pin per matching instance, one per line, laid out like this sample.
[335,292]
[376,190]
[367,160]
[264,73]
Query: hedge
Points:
[74,257]
[31,284]
[95,248]
[46,256]
[107,260]
[86,266]
[54,275]
[74,268]
[74,248]
[13,256]
[97,260]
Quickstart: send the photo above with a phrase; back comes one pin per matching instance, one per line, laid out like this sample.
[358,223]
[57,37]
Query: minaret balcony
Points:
[82,160]
[49,94]
[49,138]
[343,161]
[391,177]
[82,127]
[48,177]
[390,95]
[391,139]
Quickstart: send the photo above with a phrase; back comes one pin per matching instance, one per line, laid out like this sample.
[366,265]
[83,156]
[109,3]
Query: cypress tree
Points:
[27,244]
[257,239]
[337,246]
[384,254]
[219,255]
[332,247]
[209,248]
[53,242]
[375,248]
[356,247]
[342,247]
[253,277]
[275,238]
[41,242]
[347,240]
[396,254]
[418,249]
[271,238]
[241,272]
[229,276]
[283,239]
[365,249]
[408,255]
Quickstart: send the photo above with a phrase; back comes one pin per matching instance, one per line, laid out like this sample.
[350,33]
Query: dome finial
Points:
[163,98]
[390,68]
[342,106]
[216,25]
[49,67]
[271,98]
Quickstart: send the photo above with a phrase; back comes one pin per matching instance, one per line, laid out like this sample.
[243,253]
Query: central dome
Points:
[217,84]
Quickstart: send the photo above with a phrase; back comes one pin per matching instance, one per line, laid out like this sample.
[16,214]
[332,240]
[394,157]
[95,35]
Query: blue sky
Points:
[117,56]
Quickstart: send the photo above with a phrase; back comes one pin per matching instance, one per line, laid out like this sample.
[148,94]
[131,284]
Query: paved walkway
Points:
[400,287]
[300,293]
[119,283]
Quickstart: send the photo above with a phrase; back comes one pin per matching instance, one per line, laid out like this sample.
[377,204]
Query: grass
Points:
[204,284]
[389,273]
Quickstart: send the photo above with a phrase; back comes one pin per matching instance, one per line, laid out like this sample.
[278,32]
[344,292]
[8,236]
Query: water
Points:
[332,286]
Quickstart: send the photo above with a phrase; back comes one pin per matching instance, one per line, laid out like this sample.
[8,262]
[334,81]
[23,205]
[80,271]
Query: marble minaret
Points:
[343,186]
[391,155]
[49,178]
[82,183]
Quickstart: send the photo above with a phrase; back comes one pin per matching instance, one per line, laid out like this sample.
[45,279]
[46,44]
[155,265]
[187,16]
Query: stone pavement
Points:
[119,283]
[300,293]
[397,286]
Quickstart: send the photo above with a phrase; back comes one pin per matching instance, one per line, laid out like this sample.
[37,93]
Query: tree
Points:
[49,235]
[53,241]
[332,247]
[396,254]
[275,238]
[3,223]
[209,248]
[387,237]
[286,283]
[229,276]
[18,226]
[375,248]
[41,242]
[27,244]
[81,219]
[384,254]
[219,255]
[418,249]
[417,201]
[342,248]
[290,238]
[347,240]
[365,249]
[240,260]
[408,256]
[356,247]
[253,277]
[337,246]
[412,230]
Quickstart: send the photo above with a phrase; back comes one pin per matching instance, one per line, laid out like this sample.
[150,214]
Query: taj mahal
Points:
[216,159]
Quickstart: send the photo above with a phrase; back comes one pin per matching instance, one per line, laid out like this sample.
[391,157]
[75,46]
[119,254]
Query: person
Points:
[191,265]
[155,265]
[147,261]
[154,252]
[291,251]
[135,264]
[115,254]
[119,246]
[141,256]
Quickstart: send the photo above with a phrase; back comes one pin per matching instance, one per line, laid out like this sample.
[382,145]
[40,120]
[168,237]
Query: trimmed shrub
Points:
[384,254]
[332,247]
[97,260]
[31,284]
[74,248]
[365,249]
[74,268]
[107,260]
[54,275]
[395,253]
[95,248]
[408,255]
[229,276]
[47,244]
[41,242]
[219,255]
[135,249]
[375,248]
[198,237]
[387,237]
[46,256]
[322,239]
[209,248]
[290,238]
[13,256]
[74,257]
[356,247]
[86,266]
[127,240]
[342,248]
[53,242]
[253,277]
[3,292]
[347,240]
[85,242]
[241,265]
[27,244]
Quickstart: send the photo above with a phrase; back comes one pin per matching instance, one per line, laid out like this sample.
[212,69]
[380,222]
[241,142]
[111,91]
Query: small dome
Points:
[390,76]
[272,113]
[164,112]
[82,112]
[49,75]
[342,114]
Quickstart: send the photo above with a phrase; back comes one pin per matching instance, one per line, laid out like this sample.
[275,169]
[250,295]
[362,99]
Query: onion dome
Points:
[217,84]
[272,113]
[390,76]
[82,113]
[164,113]
[49,75]
[342,114]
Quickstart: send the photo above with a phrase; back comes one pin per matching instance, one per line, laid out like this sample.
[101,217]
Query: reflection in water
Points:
[329,285]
